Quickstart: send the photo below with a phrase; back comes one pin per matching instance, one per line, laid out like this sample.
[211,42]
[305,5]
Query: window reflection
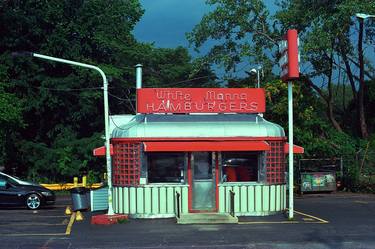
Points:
[165,167]
[202,165]
[240,166]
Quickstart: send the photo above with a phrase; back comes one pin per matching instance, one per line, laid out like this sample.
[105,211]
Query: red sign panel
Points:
[289,56]
[201,100]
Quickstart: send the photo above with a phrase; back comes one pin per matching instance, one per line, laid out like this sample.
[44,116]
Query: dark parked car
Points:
[15,192]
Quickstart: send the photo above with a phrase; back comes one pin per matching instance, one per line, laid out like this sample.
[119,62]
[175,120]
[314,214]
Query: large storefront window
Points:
[240,166]
[165,167]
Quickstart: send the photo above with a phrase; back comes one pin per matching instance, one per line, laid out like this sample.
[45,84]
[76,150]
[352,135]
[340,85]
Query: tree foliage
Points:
[242,31]
[333,97]
[332,43]
[330,47]
[55,110]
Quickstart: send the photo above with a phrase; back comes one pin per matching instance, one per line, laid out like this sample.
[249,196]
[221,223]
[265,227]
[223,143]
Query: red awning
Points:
[206,146]
[296,149]
[101,151]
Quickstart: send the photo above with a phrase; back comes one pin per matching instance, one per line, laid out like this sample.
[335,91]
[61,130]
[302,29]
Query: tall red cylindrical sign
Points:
[292,37]
[289,61]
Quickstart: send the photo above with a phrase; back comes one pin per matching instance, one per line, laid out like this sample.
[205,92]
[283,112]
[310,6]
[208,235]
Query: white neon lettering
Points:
[222,107]
[150,107]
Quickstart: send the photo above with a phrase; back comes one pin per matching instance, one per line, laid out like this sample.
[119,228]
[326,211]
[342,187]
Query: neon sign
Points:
[200,100]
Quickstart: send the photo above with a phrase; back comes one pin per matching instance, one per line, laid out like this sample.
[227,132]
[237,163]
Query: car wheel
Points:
[33,201]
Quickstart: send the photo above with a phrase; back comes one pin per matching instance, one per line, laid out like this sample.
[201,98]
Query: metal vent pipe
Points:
[138,77]
[138,70]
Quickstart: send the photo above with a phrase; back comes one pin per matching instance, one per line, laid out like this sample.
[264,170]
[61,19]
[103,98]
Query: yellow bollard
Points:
[75,181]
[79,216]
[84,181]
[68,210]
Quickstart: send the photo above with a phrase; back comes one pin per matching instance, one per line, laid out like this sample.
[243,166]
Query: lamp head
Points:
[251,72]
[363,16]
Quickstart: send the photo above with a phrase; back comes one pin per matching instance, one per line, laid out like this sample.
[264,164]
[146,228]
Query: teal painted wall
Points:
[159,201]
[150,200]
[252,199]
[99,199]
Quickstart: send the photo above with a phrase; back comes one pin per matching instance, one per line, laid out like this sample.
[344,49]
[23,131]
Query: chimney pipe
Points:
[138,70]
[138,77]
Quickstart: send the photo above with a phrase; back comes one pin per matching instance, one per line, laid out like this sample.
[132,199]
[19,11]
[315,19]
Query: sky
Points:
[165,22]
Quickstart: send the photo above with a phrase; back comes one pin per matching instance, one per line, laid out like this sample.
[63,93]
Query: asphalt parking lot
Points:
[339,220]
[22,228]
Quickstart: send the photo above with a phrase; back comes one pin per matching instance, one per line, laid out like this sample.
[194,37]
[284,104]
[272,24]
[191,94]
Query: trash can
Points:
[79,199]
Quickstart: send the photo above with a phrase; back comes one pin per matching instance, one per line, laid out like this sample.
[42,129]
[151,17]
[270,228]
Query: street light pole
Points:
[106,118]
[257,71]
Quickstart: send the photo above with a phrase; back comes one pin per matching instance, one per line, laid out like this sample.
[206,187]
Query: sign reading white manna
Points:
[201,100]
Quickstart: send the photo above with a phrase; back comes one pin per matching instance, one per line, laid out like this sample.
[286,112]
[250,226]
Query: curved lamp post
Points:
[106,114]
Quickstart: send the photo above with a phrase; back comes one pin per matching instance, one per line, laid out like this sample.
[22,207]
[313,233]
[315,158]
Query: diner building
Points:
[198,150]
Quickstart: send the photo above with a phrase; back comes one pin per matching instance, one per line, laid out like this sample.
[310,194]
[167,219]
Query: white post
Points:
[291,168]
[106,118]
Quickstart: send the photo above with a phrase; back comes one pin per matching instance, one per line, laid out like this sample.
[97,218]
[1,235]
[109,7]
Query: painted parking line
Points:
[306,219]
[34,224]
[267,222]
[65,222]
[67,232]
[361,202]
[70,224]
[33,234]
[322,221]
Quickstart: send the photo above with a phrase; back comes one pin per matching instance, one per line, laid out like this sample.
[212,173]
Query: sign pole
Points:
[289,61]
[291,175]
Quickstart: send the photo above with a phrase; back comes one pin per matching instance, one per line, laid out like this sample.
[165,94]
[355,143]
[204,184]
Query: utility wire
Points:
[184,81]
[67,89]
[122,99]
[113,121]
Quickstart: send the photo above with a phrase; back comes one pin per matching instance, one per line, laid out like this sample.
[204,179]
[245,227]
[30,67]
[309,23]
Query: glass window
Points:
[239,166]
[165,167]
[3,181]
[202,165]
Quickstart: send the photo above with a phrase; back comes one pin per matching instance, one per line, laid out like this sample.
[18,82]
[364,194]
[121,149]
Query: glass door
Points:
[203,187]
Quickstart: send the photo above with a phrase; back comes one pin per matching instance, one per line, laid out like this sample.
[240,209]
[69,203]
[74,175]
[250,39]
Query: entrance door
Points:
[202,184]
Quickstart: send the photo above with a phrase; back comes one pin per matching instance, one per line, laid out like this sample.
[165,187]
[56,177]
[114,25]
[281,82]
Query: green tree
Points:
[328,30]
[244,31]
[311,130]
[10,117]
[62,106]
[241,30]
